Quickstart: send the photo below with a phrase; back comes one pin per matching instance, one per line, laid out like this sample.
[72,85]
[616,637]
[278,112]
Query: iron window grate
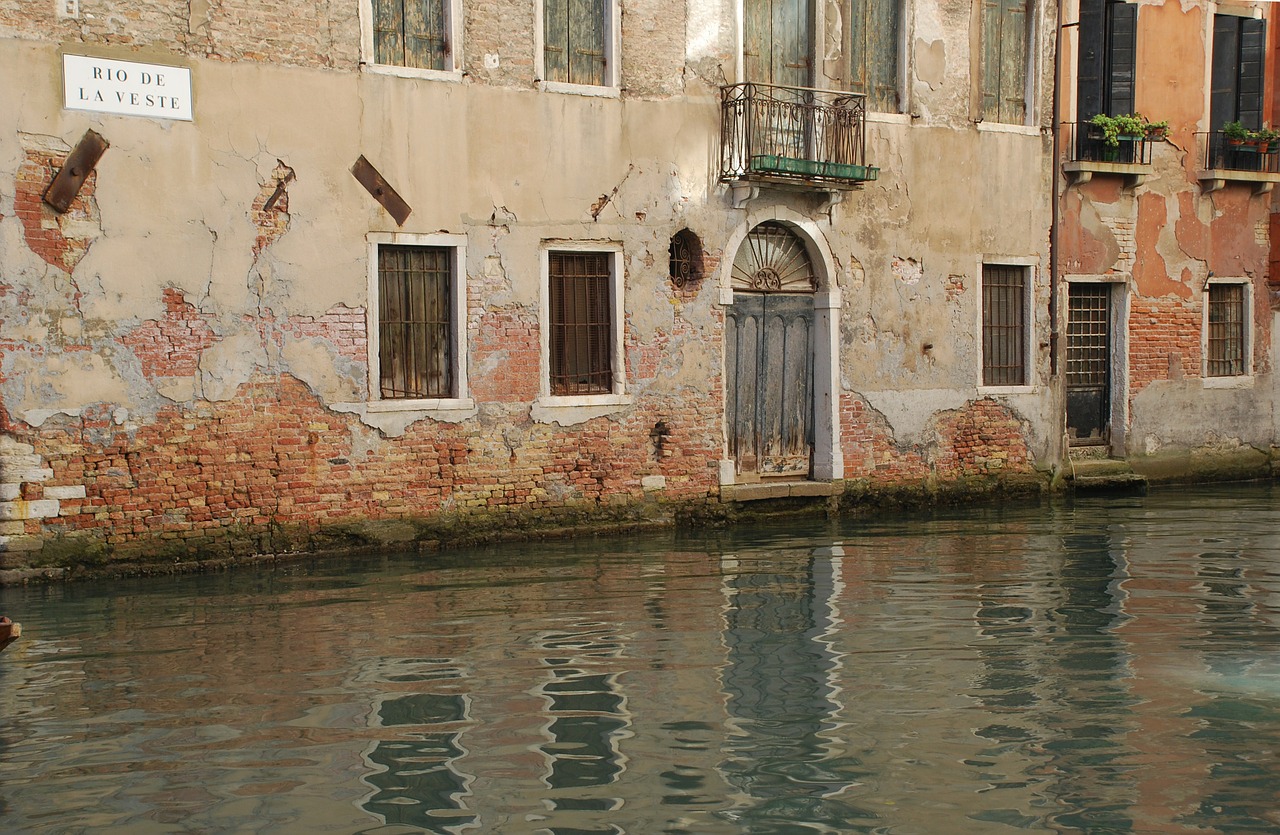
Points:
[1226,330]
[1088,331]
[1004,325]
[581,344]
[414,345]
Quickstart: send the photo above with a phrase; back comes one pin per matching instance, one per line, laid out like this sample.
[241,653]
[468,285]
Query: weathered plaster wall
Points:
[184,369]
[1164,240]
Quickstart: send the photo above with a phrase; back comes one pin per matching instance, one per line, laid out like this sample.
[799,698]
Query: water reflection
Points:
[1077,667]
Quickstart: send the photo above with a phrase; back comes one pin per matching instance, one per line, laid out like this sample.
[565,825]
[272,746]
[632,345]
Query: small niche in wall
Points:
[686,259]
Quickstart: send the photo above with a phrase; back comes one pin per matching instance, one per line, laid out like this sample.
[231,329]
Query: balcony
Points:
[1089,154]
[794,136]
[1226,161]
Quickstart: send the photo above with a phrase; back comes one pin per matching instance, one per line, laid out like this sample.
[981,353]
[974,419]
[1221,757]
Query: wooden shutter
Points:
[777,43]
[1122,52]
[1253,44]
[574,41]
[425,44]
[1004,60]
[1091,60]
[388,32]
[873,51]
[1226,59]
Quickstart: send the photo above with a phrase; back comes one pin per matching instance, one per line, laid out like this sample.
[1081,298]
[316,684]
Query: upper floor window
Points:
[874,32]
[1005,42]
[1108,49]
[577,42]
[1239,58]
[412,34]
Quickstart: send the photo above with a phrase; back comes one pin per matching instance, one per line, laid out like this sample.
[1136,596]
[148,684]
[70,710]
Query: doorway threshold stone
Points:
[777,490]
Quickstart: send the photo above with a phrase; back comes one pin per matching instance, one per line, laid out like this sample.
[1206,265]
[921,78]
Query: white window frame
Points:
[578,407]
[612,55]
[453,26]
[1031,265]
[1245,380]
[458,314]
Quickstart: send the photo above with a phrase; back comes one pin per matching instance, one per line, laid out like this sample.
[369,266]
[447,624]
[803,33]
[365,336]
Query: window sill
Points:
[567,411]
[989,391]
[414,72]
[1242,381]
[394,416]
[600,91]
[889,118]
[439,404]
[1000,127]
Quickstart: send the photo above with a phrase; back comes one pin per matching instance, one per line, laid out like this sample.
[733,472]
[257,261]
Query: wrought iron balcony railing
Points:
[793,134]
[1087,144]
[1221,154]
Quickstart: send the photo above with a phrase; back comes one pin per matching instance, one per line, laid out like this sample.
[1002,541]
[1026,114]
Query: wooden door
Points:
[778,42]
[770,371]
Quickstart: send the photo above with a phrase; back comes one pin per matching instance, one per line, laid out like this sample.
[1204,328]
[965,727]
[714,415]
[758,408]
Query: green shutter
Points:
[873,51]
[1122,57]
[1004,60]
[388,32]
[574,41]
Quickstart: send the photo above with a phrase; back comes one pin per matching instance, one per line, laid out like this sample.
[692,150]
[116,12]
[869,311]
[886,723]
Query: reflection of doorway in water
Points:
[780,623]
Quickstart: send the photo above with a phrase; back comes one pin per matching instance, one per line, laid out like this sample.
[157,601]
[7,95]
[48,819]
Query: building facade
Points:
[291,277]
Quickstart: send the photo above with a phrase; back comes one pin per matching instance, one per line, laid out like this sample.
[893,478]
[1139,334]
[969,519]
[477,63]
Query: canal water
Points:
[1099,665]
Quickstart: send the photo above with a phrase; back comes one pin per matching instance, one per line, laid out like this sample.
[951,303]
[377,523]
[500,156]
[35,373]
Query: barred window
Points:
[412,33]
[581,327]
[574,41]
[415,345]
[1226,354]
[1004,325]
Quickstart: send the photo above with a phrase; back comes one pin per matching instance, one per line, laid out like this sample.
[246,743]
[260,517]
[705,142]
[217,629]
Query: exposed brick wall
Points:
[345,328]
[982,439]
[171,346]
[61,240]
[274,456]
[1164,339]
[270,210]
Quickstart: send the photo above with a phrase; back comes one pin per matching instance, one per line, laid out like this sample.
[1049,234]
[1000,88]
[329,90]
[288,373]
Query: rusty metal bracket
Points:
[381,190]
[66,184]
[279,192]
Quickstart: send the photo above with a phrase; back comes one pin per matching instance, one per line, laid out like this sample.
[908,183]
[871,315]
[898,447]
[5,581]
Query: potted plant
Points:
[1156,130]
[1235,133]
[1112,129]
[1267,140]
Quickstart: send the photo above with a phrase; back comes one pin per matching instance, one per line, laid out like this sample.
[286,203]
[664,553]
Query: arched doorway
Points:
[769,356]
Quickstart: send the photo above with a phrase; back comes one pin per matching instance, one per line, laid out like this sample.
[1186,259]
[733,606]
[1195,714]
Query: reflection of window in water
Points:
[417,782]
[588,718]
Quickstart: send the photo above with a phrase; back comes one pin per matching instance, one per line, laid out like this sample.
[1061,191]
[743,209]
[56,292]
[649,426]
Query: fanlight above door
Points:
[773,259]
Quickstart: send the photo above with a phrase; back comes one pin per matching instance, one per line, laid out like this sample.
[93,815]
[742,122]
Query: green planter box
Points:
[770,164]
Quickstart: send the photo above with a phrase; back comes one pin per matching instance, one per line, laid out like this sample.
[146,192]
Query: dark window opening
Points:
[415,347]
[1239,59]
[1107,59]
[581,324]
[685,258]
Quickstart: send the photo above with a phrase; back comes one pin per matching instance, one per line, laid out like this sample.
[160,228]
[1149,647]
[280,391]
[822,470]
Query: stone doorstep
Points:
[777,490]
